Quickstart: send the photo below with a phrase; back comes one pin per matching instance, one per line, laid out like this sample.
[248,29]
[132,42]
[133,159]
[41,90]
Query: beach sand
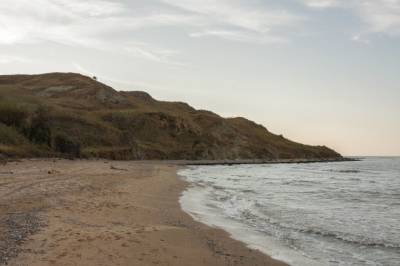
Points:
[60,212]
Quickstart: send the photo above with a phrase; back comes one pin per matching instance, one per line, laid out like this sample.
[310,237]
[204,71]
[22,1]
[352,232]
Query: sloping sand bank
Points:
[105,213]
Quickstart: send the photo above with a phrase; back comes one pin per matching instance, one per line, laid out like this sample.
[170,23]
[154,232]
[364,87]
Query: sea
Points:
[337,213]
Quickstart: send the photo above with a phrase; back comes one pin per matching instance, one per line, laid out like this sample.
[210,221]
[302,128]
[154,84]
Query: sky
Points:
[320,72]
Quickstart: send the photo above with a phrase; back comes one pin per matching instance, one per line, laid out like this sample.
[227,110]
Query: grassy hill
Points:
[66,114]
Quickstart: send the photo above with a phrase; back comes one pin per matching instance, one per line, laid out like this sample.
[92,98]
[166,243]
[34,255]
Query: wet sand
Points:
[60,212]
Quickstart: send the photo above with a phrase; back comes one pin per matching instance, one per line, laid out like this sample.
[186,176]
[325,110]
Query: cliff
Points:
[66,114]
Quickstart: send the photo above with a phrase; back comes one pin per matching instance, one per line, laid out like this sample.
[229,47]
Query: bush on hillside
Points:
[121,120]
[39,130]
[10,136]
[64,144]
[12,115]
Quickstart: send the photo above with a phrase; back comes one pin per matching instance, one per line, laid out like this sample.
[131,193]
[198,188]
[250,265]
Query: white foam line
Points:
[193,201]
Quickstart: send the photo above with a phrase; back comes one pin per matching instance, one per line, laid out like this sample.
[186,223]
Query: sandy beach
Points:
[60,212]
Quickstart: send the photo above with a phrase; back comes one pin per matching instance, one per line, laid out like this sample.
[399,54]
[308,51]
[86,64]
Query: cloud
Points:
[126,84]
[381,16]
[147,51]
[378,16]
[236,13]
[322,3]
[238,21]
[240,36]
[106,25]
[33,21]
[361,39]
[92,8]
[7,59]
[87,24]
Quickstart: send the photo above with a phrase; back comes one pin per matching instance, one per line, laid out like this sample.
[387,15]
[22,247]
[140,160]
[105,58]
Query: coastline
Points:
[86,212]
[262,161]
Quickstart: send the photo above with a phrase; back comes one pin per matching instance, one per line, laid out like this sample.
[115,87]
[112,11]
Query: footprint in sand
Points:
[135,241]
[62,254]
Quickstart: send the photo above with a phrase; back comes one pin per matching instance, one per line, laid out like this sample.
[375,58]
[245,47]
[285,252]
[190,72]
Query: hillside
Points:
[66,114]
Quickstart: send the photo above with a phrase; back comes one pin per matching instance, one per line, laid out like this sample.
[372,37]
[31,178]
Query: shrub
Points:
[10,136]
[12,115]
[66,145]
[39,131]
[121,120]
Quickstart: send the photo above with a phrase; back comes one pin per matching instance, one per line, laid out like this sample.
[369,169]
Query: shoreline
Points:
[107,213]
[261,161]
[5,160]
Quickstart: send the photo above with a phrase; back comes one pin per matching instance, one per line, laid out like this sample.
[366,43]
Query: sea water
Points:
[341,213]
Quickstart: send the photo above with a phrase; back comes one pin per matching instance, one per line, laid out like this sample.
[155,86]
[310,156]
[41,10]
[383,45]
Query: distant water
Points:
[342,213]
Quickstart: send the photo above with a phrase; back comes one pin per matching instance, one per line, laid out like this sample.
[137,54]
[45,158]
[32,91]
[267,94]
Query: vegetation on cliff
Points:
[66,114]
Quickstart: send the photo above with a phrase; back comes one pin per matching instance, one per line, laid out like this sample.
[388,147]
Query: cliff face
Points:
[65,113]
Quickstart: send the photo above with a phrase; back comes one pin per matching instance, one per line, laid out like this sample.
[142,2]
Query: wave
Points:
[352,239]
[301,182]
[248,191]
[347,213]
[252,215]
[347,171]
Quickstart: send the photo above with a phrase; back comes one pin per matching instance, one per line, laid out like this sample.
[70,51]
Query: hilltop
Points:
[67,114]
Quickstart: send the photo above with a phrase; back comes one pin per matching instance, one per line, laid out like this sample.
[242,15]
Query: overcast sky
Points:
[316,71]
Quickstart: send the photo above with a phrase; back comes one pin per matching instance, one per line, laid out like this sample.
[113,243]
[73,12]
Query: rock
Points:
[119,169]
[3,160]
[52,172]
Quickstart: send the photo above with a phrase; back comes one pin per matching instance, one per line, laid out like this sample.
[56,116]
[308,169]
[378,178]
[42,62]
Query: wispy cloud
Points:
[148,51]
[108,25]
[239,21]
[98,24]
[86,24]
[359,38]
[322,3]
[237,13]
[121,83]
[240,36]
[32,21]
[381,16]
[378,16]
[7,59]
